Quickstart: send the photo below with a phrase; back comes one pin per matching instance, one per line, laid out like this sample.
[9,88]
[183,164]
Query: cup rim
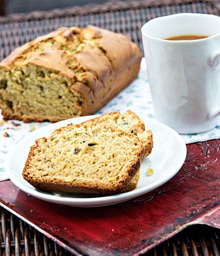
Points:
[180,15]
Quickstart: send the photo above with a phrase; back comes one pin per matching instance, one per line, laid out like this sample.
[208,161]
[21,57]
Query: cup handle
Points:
[214,113]
[215,60]
[215,63]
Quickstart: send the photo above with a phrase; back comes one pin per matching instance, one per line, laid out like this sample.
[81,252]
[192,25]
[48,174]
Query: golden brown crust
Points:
[133,183]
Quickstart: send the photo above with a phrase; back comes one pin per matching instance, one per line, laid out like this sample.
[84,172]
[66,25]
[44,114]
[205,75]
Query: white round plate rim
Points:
[160,132]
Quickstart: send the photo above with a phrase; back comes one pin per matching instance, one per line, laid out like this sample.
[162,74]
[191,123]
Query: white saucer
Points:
[166,159]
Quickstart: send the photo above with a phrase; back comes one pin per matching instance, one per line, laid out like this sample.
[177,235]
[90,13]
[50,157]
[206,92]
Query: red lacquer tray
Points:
[136,226]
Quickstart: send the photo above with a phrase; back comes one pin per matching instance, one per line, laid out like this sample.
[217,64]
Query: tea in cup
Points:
[182,53]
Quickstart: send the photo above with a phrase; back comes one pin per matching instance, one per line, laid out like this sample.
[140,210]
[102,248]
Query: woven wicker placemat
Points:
[19,238]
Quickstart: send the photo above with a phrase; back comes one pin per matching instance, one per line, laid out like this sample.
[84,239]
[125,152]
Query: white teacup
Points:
[184,75]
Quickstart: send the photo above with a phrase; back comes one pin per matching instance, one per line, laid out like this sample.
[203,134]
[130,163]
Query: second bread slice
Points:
[128,122]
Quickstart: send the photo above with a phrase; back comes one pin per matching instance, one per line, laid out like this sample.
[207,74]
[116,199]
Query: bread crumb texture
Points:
[67,73]
[84,159]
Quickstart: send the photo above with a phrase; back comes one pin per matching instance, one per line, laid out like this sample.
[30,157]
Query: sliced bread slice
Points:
[83,159]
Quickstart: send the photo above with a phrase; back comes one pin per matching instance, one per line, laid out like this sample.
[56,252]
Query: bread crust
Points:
[97,69]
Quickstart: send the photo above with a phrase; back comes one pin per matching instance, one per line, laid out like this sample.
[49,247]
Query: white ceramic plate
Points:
[166,159]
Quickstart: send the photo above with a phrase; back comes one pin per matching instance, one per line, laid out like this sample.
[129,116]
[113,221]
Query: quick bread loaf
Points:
[82,159]
[68,73]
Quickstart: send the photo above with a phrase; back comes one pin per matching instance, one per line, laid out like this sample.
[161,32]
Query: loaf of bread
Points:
[81,158]
[68,73]
[128,122]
